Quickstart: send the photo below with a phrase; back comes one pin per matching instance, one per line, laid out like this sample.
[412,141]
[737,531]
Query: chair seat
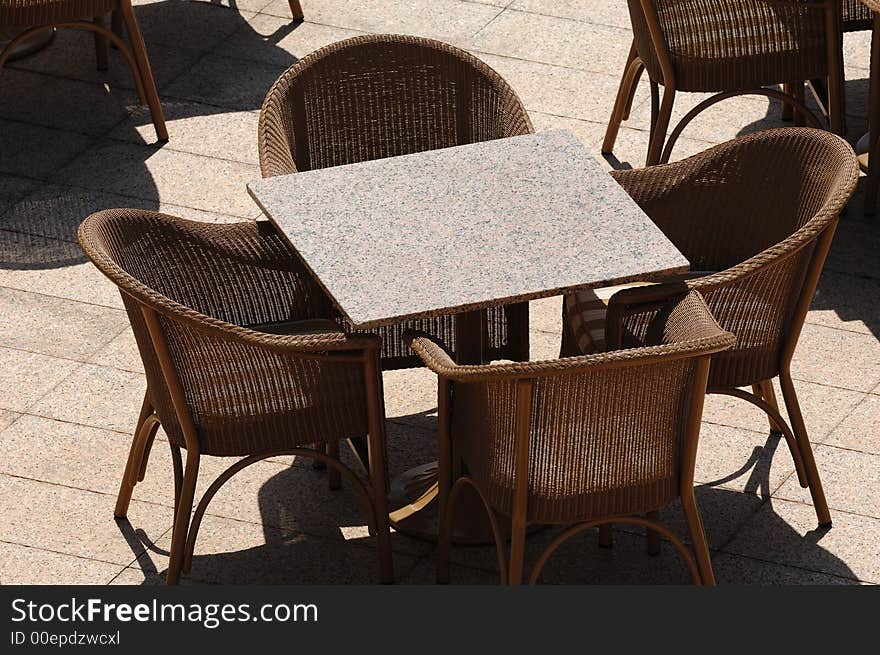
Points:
[308,326]
[30,13]
[585,311]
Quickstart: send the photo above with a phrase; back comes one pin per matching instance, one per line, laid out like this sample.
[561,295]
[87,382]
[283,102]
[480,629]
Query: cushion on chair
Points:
[585,311]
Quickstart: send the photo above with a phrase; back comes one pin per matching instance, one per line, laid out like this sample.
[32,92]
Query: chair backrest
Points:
[592,436]
[190,290]
[379,96]
[761,210]
[719,45]
[31,13]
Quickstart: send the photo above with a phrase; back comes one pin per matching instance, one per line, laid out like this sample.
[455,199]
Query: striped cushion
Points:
[585,311]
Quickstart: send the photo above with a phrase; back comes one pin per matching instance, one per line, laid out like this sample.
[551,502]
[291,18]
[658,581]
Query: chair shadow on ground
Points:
[310,535]
[39,230]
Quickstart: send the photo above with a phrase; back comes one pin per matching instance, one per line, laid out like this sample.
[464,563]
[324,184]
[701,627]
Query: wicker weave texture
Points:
[247,391]
[379,96]
[727,45]
[605,431]
[31,13]
[752,208]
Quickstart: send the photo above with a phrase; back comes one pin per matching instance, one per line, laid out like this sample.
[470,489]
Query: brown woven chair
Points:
[728,48]
[239,359]
[379,96]
[762,210]
[583,440]
[33,16]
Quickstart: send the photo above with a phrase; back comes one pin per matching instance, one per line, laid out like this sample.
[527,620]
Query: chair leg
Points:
[101,46]
[623,103]
[698,538]
[836,80]
[787,110]
[140,53]
[765,390]
[334,478]
[517,552]
[181,518]
[296,11]
[796,419]
[136,454]
[380,498]
[660,126]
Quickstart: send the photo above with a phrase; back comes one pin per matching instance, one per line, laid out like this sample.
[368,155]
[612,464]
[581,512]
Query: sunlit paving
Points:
[439,291]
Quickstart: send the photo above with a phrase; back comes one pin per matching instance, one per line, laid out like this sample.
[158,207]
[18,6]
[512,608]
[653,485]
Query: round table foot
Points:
[414,495]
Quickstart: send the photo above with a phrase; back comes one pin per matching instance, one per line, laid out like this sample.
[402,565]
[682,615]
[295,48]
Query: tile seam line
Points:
[792,566]
[59,552]
[49,295]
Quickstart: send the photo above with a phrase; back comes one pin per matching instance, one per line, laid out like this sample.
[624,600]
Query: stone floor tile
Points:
[823,408]
[7,418]
[81,457]
[452,21]
[233,552]
[200,130]
[615,14]
[559,90]
[631,148]
[195,25]
[859,431]
[837,358]
[410,394]
[12,189]
[589,133]
[56,211]
[174,177]
[575,44]
[546,315]
[49,266]
[543,345]
[580,560]
[741,460]
[855,246]
[72,55]
[846,302]
[62,103]
[850,480]
[786,533]
[26,376]
[278,41]
[76,522]
[96,396]
[734,570]
[35,151]
[226,83]
[34,566]
[56,326]
[121,353]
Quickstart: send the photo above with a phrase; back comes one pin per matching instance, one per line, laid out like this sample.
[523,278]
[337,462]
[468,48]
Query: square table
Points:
[464,228]
[458,230]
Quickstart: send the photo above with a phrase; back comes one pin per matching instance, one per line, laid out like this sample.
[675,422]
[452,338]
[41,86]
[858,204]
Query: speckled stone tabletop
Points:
[466,227]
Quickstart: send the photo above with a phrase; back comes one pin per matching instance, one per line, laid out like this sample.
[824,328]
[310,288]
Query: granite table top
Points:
[464,228]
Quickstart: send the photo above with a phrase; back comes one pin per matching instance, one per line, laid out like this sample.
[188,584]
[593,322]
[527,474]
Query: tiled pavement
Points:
[71,142]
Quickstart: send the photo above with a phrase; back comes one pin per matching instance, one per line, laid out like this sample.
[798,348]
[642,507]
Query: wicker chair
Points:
[584,440]
[381,96]
[32,16]
[239,359]
[729,48]
[762,210]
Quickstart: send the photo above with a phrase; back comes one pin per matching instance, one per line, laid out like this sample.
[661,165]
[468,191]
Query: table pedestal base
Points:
[414,494]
